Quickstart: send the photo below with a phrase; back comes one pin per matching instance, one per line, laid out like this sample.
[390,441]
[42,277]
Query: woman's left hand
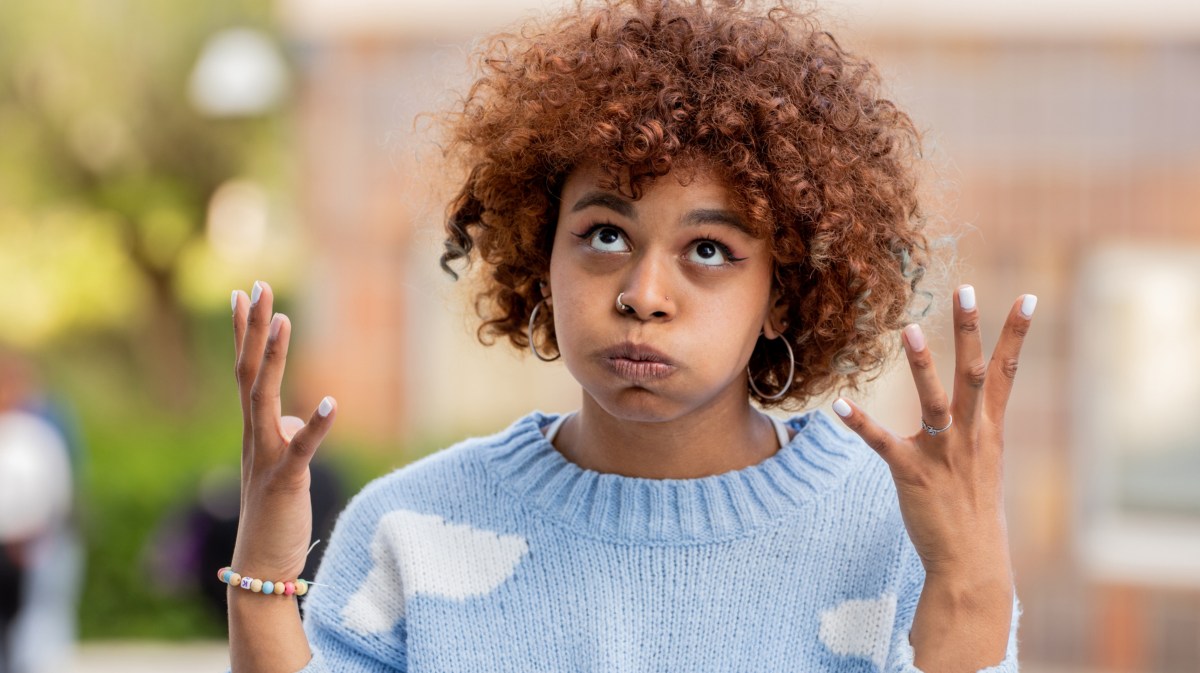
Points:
[950,479]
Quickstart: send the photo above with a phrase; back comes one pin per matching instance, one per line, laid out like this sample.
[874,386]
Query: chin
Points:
[638,405]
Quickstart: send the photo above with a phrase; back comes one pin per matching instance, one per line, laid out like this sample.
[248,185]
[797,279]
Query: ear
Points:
[776,321]
[544,288]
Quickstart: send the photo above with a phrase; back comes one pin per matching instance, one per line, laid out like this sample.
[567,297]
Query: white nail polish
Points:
[276,324]
[1028,304]
[325,407]
[233,301]
[841,407]
[916,338]
[966,297]
[255,293]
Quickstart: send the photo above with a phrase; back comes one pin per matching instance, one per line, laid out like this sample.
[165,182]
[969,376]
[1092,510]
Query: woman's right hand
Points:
[276,510]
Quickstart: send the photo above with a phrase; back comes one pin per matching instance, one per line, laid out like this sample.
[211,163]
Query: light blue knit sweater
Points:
[498,554]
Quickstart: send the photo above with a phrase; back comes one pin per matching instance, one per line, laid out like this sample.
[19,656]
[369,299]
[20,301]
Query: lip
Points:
[637,361]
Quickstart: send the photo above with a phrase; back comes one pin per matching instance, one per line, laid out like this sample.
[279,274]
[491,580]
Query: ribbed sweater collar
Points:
[670,511]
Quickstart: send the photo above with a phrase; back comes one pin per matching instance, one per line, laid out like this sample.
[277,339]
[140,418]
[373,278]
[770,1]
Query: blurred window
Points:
[1137,364]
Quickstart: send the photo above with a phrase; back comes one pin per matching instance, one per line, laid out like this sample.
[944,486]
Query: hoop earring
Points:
[529,333]
[791,374]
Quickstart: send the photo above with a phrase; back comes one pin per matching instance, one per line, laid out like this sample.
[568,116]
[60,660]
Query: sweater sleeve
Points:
[912,580]
[353,615]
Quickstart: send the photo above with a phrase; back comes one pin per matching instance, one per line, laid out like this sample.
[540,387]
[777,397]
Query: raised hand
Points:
[276,511]
[949,479]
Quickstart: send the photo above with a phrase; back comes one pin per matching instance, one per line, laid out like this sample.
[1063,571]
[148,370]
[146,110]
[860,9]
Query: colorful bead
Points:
[274,588]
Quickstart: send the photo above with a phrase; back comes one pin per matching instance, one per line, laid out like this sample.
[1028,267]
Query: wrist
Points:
[990,590]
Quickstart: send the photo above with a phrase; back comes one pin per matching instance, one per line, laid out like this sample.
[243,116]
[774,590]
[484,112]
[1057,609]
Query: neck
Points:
[705,443]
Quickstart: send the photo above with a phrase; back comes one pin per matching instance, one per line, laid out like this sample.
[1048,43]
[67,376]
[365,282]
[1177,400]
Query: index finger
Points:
[1002,369]
[239,323]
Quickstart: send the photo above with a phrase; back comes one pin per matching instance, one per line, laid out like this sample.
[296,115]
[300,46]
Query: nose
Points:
[646,292]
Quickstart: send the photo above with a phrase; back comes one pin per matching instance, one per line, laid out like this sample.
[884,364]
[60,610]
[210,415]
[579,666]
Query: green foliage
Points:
[101,144]
[143,462]
[106,175]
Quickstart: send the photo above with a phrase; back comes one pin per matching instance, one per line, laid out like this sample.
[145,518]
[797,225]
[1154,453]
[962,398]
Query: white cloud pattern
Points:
[414,553]
[860,628]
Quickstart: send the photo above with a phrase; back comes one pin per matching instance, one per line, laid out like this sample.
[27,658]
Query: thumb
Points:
[290,425]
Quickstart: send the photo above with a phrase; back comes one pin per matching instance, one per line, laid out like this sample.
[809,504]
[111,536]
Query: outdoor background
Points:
[155,156]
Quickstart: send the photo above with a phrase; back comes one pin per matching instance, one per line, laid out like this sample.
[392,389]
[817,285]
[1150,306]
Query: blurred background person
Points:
[40,551]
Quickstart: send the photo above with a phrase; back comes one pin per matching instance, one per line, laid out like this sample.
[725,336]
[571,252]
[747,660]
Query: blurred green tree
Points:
[107,169]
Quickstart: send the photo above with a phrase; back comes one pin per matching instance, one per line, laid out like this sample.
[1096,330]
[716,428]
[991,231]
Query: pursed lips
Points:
[637,361]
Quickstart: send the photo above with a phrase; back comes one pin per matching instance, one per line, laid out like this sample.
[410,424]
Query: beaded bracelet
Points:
[280,588]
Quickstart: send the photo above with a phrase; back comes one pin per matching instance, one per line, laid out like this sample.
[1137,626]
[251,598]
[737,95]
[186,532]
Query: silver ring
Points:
[935,431]
[623,308]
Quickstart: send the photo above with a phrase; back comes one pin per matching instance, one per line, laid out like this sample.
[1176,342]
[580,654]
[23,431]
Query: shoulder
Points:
[861,484]
[846,452]
[449,481]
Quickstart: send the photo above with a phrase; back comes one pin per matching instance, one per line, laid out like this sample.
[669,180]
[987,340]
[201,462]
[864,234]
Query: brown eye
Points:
[608,239]
[708,253]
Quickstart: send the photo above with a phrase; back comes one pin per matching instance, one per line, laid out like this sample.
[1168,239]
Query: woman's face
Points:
[698,288]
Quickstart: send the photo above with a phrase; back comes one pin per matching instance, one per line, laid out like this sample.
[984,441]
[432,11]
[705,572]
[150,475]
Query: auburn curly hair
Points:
[823,166]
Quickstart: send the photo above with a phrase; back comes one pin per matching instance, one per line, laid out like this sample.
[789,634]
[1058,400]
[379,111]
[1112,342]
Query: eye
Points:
[607,239]
[710,253]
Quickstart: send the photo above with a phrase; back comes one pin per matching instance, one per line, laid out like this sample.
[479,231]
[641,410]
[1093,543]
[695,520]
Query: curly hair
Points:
[822,166]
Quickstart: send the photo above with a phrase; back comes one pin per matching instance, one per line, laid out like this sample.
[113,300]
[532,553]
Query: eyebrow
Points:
[605,200]
[714,216]
[694,217]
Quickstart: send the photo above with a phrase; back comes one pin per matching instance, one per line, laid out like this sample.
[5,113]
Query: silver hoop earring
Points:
[623,308]
[529,333]
[791,374]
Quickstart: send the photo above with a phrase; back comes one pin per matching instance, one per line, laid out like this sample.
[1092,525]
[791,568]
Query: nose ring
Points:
[623,308]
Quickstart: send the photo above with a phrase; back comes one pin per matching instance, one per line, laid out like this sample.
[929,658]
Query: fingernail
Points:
[255,293]
[325,407]
[841,407]
[966,297]
[1028,304]
[916,338]
[276,323]
[233,301]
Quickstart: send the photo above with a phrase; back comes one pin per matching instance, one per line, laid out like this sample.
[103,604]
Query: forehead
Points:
[691,185]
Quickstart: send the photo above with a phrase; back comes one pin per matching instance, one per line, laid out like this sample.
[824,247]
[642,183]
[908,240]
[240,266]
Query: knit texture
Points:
[500,555]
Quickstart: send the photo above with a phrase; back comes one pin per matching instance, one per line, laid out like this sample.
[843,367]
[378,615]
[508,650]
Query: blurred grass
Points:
[142,462]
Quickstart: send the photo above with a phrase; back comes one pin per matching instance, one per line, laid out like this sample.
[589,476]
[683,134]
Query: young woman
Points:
[697,206]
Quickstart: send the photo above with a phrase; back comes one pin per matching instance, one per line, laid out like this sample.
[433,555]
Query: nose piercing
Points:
[623,308]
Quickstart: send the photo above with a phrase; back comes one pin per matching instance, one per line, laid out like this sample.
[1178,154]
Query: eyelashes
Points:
[607,237]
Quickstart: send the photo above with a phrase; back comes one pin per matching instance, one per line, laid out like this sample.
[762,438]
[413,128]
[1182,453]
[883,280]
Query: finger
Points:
[289,426]
[935,409]
[264,396]
[258,318]
[876,436]
[239,324]
[304,443]
[970,369]
[1002,369]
